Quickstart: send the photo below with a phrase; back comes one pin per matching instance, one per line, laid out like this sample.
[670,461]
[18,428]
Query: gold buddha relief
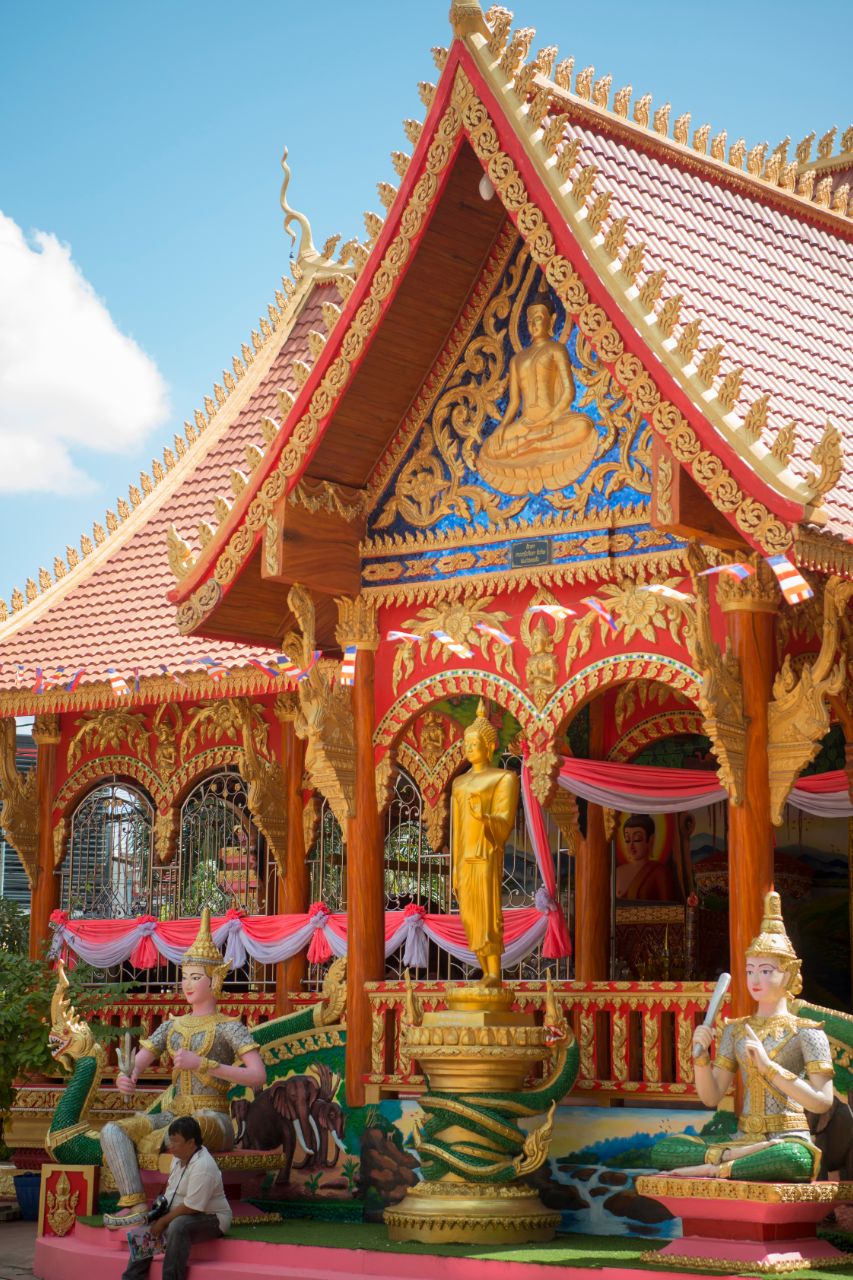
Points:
[540,443]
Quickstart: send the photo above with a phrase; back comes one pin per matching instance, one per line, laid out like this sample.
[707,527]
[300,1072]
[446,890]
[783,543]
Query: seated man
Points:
[194,1193]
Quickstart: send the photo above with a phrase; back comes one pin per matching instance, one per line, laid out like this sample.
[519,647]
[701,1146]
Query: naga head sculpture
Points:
[70,1037]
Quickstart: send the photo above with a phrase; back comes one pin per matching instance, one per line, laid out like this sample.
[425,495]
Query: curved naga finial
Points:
[305,250]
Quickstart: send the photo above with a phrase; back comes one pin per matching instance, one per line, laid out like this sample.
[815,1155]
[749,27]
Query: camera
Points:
[158,1209]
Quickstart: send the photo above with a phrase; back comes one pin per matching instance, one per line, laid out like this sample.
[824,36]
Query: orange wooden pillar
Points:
[750,612]
[592,876]
[295,883]
[365,854]
[45,895]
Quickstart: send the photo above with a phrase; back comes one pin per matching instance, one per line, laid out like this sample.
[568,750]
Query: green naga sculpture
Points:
[71,1139]
[474,1154]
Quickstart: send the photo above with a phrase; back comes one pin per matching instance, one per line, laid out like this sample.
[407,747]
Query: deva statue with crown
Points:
[210,1054]
[786,1070]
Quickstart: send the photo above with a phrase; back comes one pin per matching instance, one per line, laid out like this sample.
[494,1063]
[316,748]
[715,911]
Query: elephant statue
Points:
[832,1132]
[327,1123]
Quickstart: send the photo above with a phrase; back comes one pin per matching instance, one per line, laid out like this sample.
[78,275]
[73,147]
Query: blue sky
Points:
[147,138]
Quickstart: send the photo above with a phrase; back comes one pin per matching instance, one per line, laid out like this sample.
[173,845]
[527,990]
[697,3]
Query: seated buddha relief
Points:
[540,443]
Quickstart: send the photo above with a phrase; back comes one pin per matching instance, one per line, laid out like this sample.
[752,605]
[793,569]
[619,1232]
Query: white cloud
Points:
[69,379]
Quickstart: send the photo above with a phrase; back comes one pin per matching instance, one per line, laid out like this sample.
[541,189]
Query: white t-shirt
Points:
[198,1185]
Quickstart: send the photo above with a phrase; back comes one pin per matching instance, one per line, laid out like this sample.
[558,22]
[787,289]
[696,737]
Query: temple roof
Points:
[110,607]
[730,275]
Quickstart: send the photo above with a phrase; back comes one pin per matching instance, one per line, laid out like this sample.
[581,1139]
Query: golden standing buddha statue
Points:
[483,806]
[547,445]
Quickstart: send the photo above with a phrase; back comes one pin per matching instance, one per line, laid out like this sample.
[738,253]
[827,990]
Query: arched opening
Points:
[107,871]
[222,857]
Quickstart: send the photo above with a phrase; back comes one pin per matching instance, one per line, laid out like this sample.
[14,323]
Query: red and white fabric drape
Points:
[633,788]
[146,942]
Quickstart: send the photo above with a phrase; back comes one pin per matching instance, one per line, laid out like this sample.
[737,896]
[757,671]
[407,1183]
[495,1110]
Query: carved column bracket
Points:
[798,716]
[19,816]
[325,717]
[386,772]
[46,730]
[721,694]
[563,808]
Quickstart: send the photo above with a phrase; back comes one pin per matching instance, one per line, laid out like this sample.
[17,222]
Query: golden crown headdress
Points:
[205,952]
[773,942]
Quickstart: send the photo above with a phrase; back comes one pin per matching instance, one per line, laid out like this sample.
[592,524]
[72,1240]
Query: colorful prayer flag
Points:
[262,666]
[794,587]
[737,570]
[75,679]
[315,658]
[670,593]
[459,650]
[553,610]
[596,605]
[348,665]
[215,669]
[403,635]
[493,631]
[119,685]
[19,674]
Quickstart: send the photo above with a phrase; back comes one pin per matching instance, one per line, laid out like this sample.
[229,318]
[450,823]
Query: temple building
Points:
[562,432]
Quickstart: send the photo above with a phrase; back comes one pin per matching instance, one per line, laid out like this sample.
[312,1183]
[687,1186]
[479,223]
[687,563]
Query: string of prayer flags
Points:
[75,679]
[793,585]
[558,611]
[459,650]
[262,666]
[486,630]
[411,636]
[669,593]
[45,681]
[315,658]
[118,684]
[597,607]
[215,669]
[348,665]
[737,570]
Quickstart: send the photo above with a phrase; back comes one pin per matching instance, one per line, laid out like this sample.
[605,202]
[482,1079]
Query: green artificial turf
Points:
[592,1252]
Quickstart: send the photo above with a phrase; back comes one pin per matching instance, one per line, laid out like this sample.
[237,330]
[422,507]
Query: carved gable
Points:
[520,439]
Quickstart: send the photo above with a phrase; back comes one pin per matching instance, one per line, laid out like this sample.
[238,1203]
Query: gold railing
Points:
[634,1037]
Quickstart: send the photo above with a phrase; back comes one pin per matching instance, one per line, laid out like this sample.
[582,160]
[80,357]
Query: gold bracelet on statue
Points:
[702,1059]
[776,1070]
[209,1064]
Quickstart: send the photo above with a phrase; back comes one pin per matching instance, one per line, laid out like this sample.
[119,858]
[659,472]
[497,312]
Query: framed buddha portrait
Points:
[645,870]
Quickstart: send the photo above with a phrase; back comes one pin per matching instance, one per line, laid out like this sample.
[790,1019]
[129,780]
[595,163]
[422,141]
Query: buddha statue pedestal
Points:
[476,1055]
[747,1226]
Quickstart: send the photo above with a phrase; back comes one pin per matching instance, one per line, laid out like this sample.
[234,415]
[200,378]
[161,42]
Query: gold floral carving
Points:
[310,821]
[318,496]
[721,694]
[265,782]
[828,457]
[666,724]
[357,623]
[224,718]
[758,593]
[798,715]
[165,834]
[663,490]
[61,1210]
[563,808]
[60,839]
[637,613]
[107,730]
[459,620]
[19,815]
[46,730]
[386,773]
[325,718]
[639,694]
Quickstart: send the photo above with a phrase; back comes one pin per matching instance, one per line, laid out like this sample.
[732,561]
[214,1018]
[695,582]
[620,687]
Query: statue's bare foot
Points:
[697,1171]
[133,1216]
